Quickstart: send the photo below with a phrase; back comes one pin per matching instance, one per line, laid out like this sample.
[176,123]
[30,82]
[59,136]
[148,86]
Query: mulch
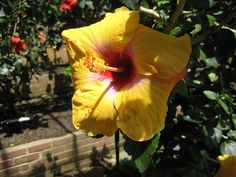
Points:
[51,117]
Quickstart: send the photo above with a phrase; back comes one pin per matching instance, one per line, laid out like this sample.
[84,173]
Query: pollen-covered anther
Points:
[95,64]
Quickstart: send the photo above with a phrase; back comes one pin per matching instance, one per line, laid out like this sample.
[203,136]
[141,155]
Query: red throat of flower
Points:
[119,69]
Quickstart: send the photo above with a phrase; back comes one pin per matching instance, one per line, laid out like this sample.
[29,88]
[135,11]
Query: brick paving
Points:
[100,171]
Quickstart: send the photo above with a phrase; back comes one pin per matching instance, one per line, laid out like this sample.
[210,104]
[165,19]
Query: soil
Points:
[50,117]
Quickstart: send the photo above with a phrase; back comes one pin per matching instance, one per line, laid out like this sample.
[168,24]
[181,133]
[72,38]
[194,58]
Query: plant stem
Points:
[175,16]
[117,149]
[152,13]
[15,25]
[214,30]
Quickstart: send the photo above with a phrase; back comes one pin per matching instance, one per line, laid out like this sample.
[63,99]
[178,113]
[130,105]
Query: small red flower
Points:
[66,5]
[18,44]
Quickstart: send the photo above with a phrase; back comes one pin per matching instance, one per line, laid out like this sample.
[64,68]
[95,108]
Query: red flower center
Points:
[119,68]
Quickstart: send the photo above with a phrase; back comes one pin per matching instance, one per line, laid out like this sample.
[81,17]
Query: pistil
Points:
[115,69]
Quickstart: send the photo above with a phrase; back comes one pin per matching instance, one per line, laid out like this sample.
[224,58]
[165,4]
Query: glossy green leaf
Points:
[223,105]
[202,55]
[68,71]
[234,120]
[141,152]
[181,88]
[217,135]
[197,28]
[213,77]
[198,82]
[176,31]
[211,19]
[212,135]
[223,124]
[4,70]
[162,2]
[212,62]
[212,3]
[228,148]
[232,134]
[90,4]
[211,95]
[82,3]
[190,119]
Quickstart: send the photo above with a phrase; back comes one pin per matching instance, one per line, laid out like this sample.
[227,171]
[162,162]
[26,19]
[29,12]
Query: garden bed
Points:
[51,118]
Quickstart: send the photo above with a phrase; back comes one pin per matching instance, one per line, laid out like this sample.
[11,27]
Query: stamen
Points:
[95,64]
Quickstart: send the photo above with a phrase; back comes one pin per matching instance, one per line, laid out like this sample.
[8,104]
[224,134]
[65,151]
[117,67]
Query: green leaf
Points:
[68,71]
[228,147]
[223,105]
[162,2]
[18,63]
[144,4]
[175,31]
[223,124]
[82,3]
[212,62]
[142,152]
[198,82]
[217,135]
[2,14]
[133,4]
[232,134]
[54,9]
[197,28]
[181,88]
[213,77]
[2,20]
[190,119]
[213,135]
[90,4]
[234,120]
[211,95]
[211,19]
[202,55]
[211,3]
[4,70]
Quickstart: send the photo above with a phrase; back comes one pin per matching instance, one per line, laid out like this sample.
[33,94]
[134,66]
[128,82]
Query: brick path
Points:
[99,171]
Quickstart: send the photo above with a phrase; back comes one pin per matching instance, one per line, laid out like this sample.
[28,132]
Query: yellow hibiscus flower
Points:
[227,166]
[123,73]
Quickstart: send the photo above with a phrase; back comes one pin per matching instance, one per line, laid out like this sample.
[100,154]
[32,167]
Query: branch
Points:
[15,25]
[214,30]
[175,16]
[152,13]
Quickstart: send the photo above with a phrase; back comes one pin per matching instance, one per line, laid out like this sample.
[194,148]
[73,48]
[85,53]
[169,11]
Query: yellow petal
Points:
[142,109]
[168,54]
[82,76]
[112,33]
[227,166]
[92,109]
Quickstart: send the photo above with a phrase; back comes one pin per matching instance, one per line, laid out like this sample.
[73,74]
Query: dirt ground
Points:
[51,117]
